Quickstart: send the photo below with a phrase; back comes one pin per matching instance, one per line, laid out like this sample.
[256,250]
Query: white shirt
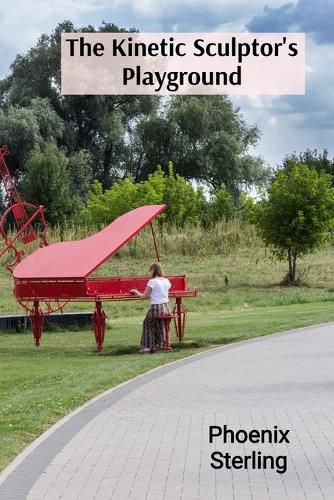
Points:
[159,287]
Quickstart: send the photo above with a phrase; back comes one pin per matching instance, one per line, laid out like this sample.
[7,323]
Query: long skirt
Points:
[154,336]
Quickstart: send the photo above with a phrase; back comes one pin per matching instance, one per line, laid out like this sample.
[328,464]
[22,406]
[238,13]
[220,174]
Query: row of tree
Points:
[294,216]
[48,182]
[187,204]
[90,158]
[205,137]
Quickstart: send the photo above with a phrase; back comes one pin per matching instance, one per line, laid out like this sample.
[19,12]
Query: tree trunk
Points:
[292,259]
[106,174]
[294,264]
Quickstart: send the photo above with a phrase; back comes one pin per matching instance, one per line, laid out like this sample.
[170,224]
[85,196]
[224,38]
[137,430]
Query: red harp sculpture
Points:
[56,274]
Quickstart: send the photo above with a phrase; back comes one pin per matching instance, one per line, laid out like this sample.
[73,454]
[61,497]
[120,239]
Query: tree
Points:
[184,201]
[313,159]
[80,166]
[19,130]
[105,206]
[47,183]
[25,129]
[186,204]
[221,205]
[207,140]
[97,124]
[297,215]
[205,137]
[51,126]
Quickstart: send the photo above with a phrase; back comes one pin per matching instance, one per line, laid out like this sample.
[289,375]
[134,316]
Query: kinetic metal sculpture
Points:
[53,275]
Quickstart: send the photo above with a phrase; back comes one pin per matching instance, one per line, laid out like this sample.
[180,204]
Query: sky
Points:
[287,123]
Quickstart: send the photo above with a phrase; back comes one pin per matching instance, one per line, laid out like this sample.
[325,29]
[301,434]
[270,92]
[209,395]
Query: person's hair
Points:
[156,269]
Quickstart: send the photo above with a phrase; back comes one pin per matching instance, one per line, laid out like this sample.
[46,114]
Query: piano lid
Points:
[78,259]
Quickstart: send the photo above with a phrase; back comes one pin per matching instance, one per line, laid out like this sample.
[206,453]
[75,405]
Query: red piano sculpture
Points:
[53,275]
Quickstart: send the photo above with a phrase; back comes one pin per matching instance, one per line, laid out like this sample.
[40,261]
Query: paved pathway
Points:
[149,439]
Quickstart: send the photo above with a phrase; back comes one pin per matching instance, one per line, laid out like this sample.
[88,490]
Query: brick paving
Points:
[149,440]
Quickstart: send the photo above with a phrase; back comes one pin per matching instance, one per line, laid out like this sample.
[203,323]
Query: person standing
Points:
[153,334]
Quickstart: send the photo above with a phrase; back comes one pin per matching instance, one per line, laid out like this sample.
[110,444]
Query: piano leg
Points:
[180,320]
[37,322]
[99,325]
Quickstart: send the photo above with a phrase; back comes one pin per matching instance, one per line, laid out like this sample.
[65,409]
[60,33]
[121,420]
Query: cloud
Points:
[316,108]
[299,122]
[23,22]
[192,15]
[296,123]
[315,18]
[284,133]
[289,122]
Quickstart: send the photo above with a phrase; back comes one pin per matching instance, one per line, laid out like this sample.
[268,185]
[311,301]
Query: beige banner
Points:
[183,63]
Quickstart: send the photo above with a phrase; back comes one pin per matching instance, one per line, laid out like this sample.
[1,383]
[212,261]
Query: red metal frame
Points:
[12,196]
[180,316]
[79,259]
[30,292]
[167,318]
[18,209]
[16,206]
[88,289]
[25,233]
[37,322]
[99,325]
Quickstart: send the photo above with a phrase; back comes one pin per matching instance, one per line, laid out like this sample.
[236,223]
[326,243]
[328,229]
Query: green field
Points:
[239,298]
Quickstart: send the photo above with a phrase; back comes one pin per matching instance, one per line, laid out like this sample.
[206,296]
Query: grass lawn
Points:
[38,386]
[239,298]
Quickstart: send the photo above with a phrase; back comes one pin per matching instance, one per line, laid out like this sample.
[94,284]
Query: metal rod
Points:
[21,230]
[179,317]
[155,242]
